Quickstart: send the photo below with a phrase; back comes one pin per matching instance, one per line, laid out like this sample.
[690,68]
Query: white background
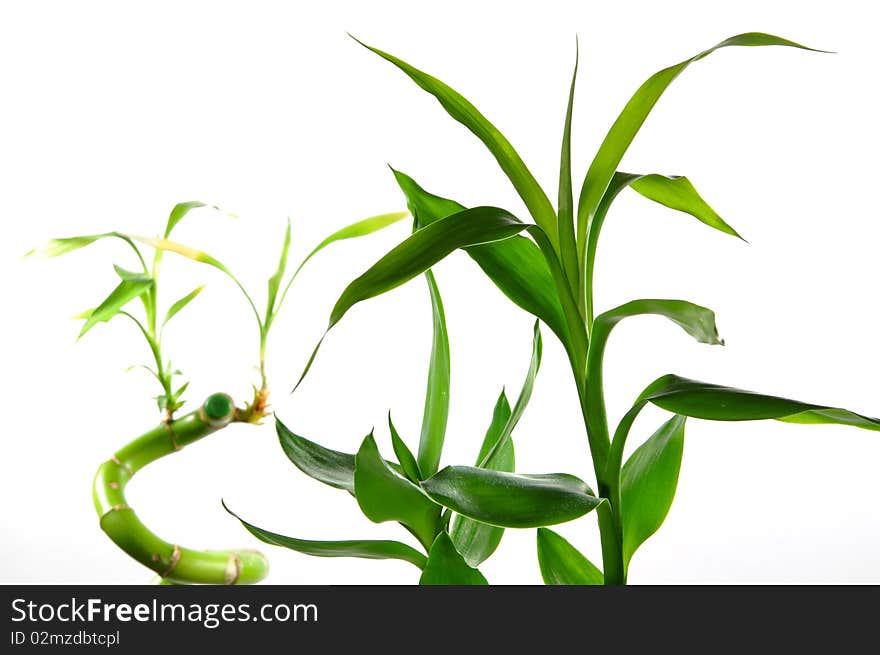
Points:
[113,112]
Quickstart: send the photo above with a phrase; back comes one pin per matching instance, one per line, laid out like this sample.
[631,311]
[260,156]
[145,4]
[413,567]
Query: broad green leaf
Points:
[446,566]
[565,214]
[436,410]
[522,400]
[404,455]
[511,500]
[563,564]
[717,403]
[515,265]
[385,495]
[474,540]
[630,120]
[648,482]
[510,162]
[180,304]
[677,192]
[697,321]
[425,248]
[125,292]
[364,548]
[323,464]
[275,280]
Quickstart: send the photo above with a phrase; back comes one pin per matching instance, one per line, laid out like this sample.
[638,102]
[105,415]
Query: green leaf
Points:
[125,292]
[436,410]
[126,274]
[515,265]
[446,566]
[180,304]
[179,392]
[474,540]
[364,548]
[385,495]
[404,455]
[323,464]
[648,482]
[359,229]
[511,500]
[565,217]
[522,400]
[675,192]
[562,564]
[510,162]
[717,403]
[203,258]
[425,248]
[697,321]
[275,280]
[177,214]
[57,247]
[630,120]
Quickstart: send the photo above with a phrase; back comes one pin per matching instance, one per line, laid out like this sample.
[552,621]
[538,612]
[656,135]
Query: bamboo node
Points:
[233,569]
[172,436]
[175,558]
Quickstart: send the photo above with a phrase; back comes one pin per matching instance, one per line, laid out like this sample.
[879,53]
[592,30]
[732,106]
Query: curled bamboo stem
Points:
[118,520]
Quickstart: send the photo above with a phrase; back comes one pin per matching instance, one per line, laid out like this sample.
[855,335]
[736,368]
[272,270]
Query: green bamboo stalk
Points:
[173,563]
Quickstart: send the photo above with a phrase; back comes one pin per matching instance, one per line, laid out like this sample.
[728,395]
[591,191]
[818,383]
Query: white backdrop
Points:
[114,112]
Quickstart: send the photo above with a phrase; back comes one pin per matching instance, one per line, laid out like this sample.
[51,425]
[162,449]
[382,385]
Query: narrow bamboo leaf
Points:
[359,229]
[446,566]
[126,274]
[404,455]
[697,321]
[563,564]
[510,162]
[57,247]
[677,192]
[364,548]
[323,464]
[631,118]
[503,460]
[179,392]
[717,403]
[474,540]
[436,410]
[515,265]
[648,482]
[511,500]
[385,495]
[522,400]
[275,281]
[179,212]
[180,304]
[125,292]
[203,258]
[565,215]
[425,248]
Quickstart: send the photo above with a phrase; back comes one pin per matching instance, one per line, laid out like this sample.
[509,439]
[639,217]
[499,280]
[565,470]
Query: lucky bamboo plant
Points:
[391,491]
[173,563]
[551,276]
